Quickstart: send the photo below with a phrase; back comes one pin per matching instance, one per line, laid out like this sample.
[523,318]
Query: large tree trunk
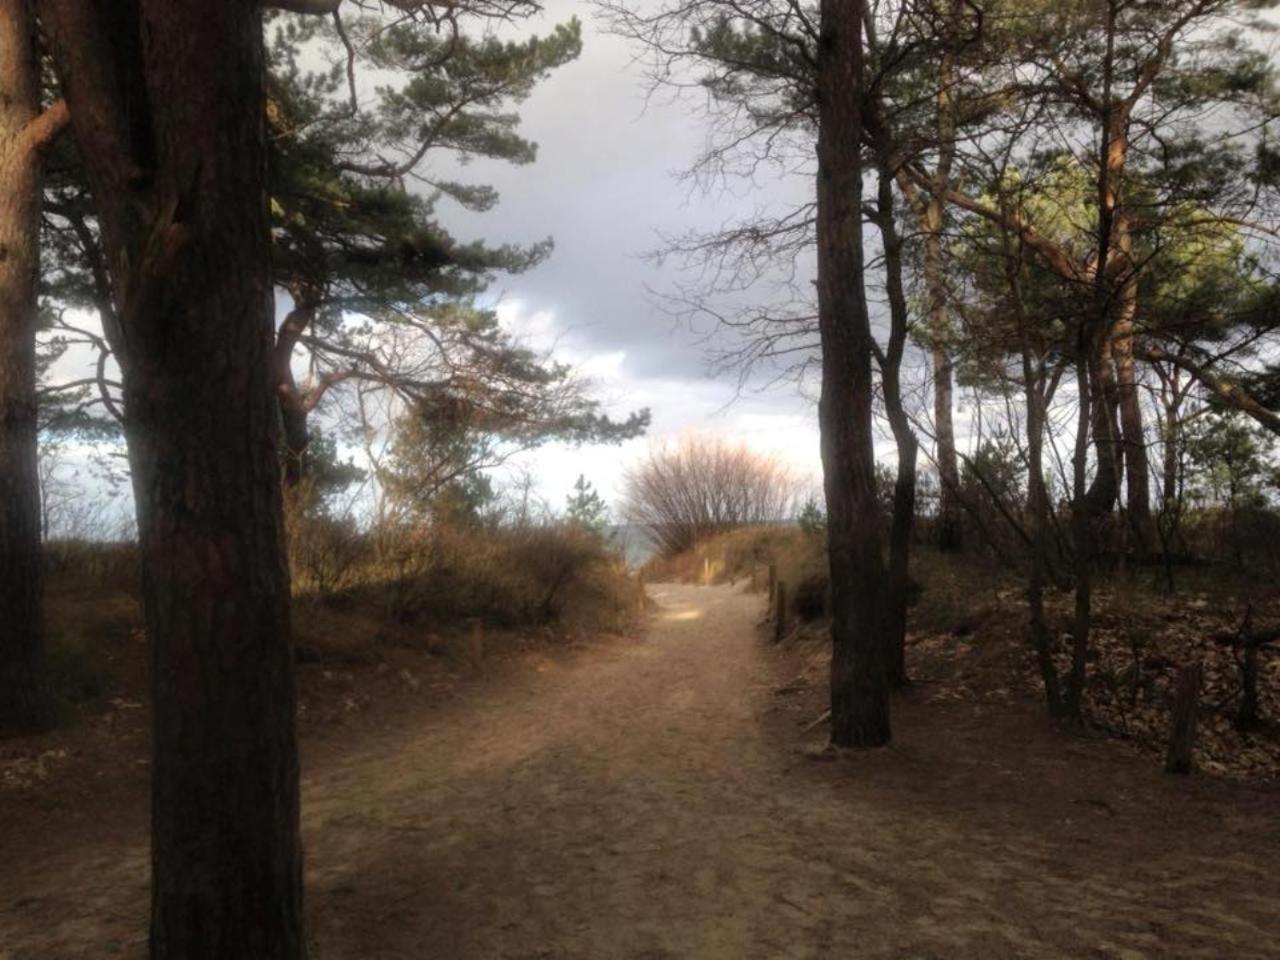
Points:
[859,691]
[167,106]
[23,695]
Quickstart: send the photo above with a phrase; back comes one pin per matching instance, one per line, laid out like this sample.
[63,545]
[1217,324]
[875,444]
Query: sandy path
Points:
[648,800]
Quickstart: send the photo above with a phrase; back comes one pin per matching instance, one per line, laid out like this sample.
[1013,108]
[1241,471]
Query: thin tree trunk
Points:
[1095,381]
[904,488]
[1169,518]
[1037,394]
[23,691]
[1132,431]
[1104,428]
[1041,635]
[950,526]
[294,407]
[1225,390]
[167,105]
[1082,536]
[859,689]
[296,437]
[904,507]
[1118,268]
[1172,444]
[1248,716]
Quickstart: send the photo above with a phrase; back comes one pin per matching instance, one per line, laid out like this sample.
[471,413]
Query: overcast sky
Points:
[604,186]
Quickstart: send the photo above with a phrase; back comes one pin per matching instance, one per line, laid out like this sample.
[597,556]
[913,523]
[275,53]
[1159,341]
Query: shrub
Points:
[809,601]
[324,554]
[683,493]
[109,566]
[534,574]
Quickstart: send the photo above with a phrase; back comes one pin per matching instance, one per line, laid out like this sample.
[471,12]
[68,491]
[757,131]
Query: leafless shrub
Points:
[326,550]
[700,486]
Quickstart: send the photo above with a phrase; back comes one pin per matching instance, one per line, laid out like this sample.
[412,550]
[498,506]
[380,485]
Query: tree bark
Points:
[1104,424]
[1082,532]
[1038,393]
[1041,636]
[23,692]
[859,689]
[167,108]
[1095,380]
[1182,732]
[904,488]
[950,526]
[901,524]
[293,421]
[294,407]
[1133,437]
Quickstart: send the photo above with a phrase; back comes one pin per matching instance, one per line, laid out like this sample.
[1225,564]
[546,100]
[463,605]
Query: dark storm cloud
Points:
[604,187]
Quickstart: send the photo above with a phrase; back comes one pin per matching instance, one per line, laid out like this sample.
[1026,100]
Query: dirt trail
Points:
[648,799]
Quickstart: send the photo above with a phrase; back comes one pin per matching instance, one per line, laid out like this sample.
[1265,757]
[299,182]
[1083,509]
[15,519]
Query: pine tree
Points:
[585,507]
[27,129]
[373,276]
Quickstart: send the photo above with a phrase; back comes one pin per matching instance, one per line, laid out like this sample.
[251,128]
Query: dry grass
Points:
[745,553]
[534,575]
[358,600]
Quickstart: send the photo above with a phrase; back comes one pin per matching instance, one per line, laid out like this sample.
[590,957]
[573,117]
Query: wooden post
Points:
[780,612]
[475,643]
[1182,732]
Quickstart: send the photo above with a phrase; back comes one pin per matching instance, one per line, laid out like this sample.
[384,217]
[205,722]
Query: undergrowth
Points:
[968,637]
[356,596]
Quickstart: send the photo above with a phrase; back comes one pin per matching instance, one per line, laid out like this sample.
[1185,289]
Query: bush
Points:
[809,601]
[324,554]
[685,492]
[78,668]
[93,563]
[519,575]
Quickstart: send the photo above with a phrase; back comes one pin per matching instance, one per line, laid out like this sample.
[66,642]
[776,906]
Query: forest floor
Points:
[657,797]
